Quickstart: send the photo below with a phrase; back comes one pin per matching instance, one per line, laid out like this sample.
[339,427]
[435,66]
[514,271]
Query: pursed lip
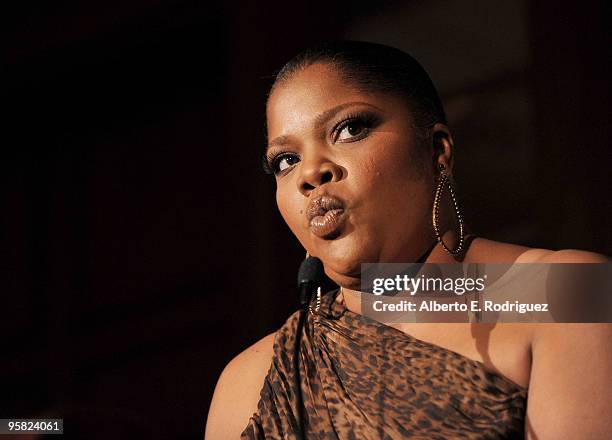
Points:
[321,204]
[325,215]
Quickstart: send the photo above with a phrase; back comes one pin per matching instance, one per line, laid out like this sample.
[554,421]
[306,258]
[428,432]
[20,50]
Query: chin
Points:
[343,257]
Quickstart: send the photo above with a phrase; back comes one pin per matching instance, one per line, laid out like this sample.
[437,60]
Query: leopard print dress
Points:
[362,379]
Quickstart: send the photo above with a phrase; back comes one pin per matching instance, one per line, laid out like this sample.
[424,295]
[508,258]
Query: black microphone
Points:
[310,277]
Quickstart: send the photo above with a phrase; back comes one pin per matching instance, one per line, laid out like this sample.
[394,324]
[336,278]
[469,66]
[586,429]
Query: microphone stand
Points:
[310,274]
[296,368]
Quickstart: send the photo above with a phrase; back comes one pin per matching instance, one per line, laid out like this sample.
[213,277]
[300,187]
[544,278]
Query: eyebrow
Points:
[319,121]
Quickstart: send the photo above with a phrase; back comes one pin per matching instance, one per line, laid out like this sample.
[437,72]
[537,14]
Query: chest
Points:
[505,348]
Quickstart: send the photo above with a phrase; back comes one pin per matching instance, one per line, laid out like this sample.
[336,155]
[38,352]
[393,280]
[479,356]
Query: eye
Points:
[351,130]
[279,162]
[284,161]
[354,128]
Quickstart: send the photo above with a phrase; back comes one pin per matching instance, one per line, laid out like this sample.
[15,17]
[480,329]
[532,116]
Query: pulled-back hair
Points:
[373,67]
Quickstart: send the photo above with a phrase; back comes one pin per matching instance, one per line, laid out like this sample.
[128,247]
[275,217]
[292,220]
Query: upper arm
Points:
[237,392]
[569,389]
[571,373]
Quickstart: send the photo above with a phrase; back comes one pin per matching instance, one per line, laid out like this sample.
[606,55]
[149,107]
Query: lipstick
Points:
[326,215]
[327,225]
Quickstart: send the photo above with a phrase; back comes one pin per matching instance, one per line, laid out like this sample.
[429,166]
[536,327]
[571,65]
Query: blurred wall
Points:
[524,87]
[141,245]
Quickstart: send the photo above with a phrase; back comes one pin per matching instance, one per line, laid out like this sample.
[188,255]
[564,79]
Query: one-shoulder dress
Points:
[362,379]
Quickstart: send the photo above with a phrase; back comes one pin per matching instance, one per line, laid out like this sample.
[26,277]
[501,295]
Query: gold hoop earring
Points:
[445,181]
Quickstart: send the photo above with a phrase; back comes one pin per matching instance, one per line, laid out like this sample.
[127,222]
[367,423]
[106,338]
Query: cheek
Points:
[384,170]
[289,205]
[394,179]
[371,169]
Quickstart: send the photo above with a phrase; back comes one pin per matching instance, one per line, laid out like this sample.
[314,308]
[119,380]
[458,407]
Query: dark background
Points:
[141,245]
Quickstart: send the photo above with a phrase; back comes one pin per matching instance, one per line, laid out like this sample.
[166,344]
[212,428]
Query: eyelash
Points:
[270,162]
[367,121]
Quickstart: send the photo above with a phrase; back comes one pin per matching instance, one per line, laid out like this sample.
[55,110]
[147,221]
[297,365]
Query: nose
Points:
[316,171]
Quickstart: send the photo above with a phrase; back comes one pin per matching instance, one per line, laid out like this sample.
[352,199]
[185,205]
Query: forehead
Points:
[309,92]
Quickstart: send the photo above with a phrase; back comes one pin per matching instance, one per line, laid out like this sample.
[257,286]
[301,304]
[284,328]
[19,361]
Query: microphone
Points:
[310,276]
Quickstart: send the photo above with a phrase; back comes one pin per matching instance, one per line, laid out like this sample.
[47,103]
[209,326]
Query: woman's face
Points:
[353,183]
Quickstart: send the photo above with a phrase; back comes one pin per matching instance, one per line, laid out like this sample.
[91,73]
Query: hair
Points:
[374,67]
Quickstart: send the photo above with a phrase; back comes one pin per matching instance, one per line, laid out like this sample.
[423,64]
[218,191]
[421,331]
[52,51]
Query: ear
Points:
[442,147]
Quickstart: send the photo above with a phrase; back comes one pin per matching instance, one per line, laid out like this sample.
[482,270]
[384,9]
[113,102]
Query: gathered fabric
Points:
[362,379]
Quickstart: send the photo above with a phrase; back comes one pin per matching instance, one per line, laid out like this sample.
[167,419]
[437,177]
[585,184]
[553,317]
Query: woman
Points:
[358,144]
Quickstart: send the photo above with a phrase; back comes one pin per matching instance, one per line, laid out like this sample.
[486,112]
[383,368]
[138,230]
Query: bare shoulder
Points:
[237,391]
[484,250]
[570,382]
[574,256]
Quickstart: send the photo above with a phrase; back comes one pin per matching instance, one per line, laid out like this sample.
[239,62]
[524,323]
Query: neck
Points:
[435,254]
